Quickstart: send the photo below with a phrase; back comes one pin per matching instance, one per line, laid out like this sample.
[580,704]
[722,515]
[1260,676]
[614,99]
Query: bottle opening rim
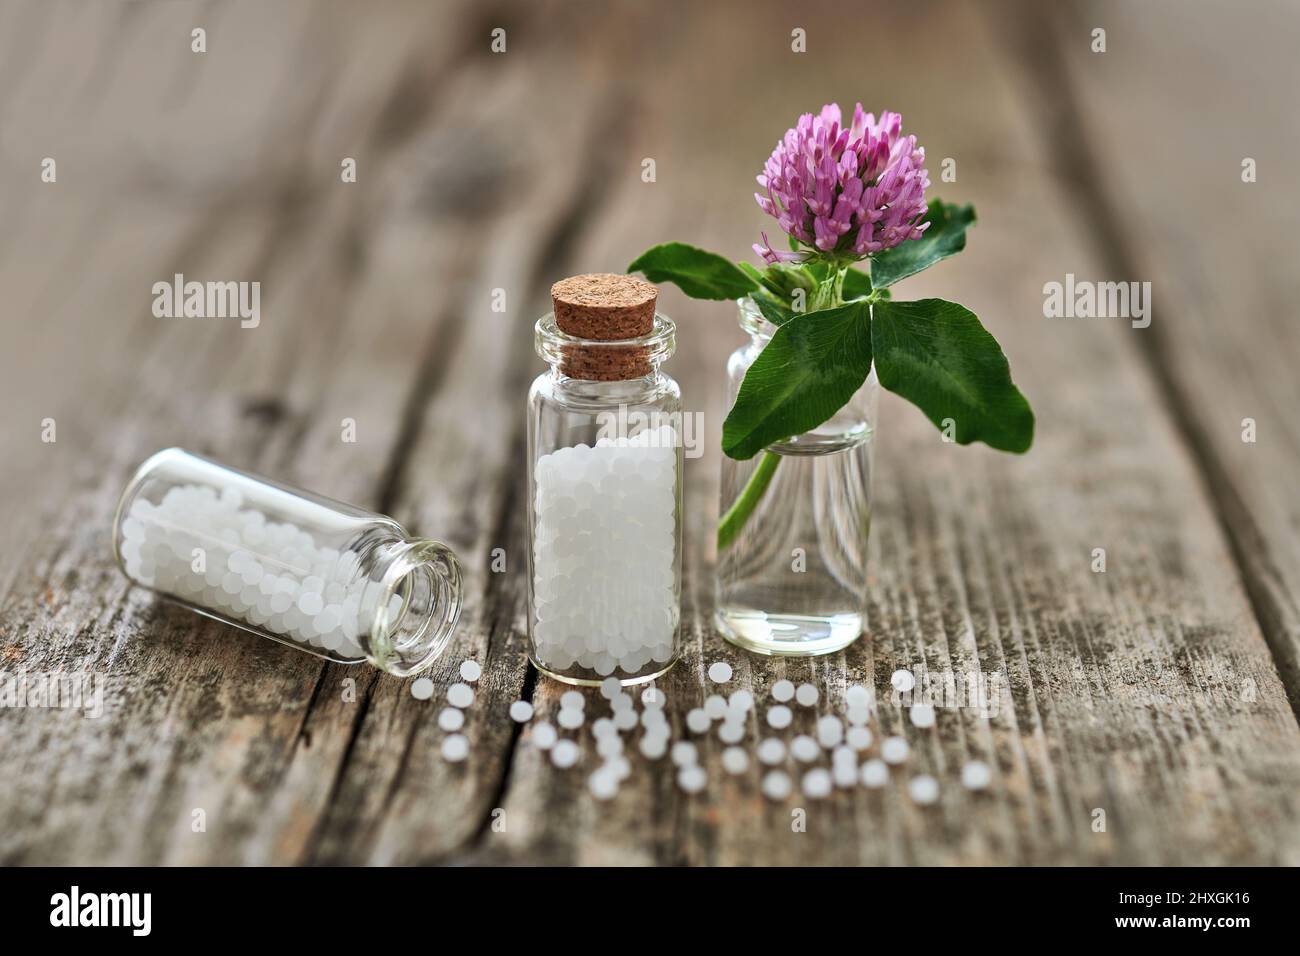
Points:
[426,576]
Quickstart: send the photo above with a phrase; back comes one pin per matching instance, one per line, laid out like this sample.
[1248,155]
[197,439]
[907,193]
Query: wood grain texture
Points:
[1119,690]
[1150,692]
[200,716]
[1225,344]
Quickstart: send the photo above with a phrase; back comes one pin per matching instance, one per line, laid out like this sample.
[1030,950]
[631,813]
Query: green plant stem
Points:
[828,295]
[744,505]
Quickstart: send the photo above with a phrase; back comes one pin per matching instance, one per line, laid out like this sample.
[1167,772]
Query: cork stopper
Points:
[605,307]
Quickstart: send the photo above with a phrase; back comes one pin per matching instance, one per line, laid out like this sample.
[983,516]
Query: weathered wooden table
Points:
[1148,713]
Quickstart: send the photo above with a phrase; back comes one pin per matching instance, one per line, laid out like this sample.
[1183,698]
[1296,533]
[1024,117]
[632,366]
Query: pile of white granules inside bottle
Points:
[231,559]
[604,553]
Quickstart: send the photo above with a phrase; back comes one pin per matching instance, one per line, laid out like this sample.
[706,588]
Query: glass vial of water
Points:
[604,486]
[291,566]
[792,575]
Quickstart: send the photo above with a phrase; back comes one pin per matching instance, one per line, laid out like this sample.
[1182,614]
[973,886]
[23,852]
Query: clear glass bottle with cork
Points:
[604,486]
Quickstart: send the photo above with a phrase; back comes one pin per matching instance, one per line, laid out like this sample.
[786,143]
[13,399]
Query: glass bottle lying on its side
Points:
[325,577]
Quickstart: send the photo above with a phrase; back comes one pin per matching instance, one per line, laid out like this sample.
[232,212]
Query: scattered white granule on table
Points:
[776,785]
[859,738]
[902,681]
[692,779]
[976,775]
[804,749]
[830,731]
[894,750]
[684,753]
[455,748]
[521,711]
[565,753]
[924,789]
[779,717]
[697,721]
[875,773]
[816,783]
[771,751]
[460,695]
[544,736]
[735,760]
[922,715]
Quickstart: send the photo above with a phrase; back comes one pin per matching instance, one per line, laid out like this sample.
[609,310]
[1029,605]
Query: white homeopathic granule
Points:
[653,746]
[521,711]
[460,695]
[922,715]
[804,749]
[779,717]
[859,738]
[731,731]
[455,748]
[684,753]
[830,731]
[858,696]
[976,775]
[697,721]
[692,778]
[565,753]
[894,750]
[875,773]
[470,671]
[924,789]
[816,783]
[776,785]
[771,751]
[603,783]
[544,735]
[735,760]
[740,701]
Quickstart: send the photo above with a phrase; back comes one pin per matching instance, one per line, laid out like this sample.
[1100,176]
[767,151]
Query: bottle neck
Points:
[584,392]
[759,329]
[577,363]
[410,604]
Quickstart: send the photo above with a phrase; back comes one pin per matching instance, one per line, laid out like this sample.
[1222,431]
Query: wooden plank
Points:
[200,716]
[398,801]
[1216,250]
[1121,691]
